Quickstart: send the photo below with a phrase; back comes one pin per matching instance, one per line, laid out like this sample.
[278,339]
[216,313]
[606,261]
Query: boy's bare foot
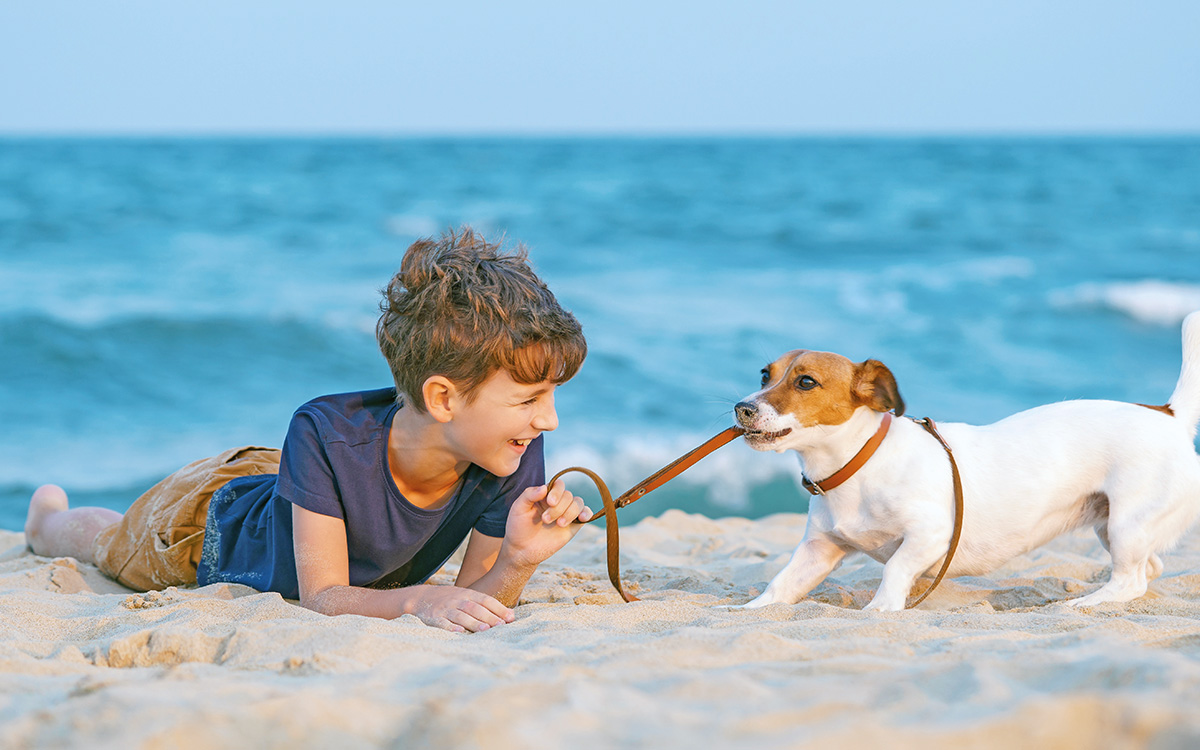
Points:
[46,501]
[52,529]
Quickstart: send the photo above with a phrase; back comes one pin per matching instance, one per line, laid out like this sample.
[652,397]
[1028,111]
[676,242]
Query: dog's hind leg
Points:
[1128,581]
[1132,546]
[1154,567]
[1154,563]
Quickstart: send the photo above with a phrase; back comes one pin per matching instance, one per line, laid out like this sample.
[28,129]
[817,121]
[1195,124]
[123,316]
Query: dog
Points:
[1129,470]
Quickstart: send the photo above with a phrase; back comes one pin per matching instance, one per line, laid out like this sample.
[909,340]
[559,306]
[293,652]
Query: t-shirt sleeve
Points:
[305,473]
[531,473]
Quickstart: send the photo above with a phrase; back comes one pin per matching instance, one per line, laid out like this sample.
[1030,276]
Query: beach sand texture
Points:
[985,663]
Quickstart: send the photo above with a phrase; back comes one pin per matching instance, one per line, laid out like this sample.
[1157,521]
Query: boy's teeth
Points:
[525,441]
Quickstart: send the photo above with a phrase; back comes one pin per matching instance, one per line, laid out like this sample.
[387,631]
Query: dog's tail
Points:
[1185,401]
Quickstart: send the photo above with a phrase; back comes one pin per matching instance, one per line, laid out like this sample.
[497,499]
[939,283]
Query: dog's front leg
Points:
[912,558]
[812,561]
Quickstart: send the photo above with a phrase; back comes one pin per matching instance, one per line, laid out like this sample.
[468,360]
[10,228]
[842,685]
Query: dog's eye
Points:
[806,383]
[766,377]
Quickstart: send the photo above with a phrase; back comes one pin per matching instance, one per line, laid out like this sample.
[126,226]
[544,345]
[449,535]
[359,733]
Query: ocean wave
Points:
[1149,301]
[764,299]
[148,317]
[121,293]
[975,271]
[889,292]
[106,463]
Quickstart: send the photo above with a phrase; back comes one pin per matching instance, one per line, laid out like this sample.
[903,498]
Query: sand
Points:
[985,663]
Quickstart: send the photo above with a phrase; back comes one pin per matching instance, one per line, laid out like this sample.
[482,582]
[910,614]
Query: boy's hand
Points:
[541,521]
[455,609]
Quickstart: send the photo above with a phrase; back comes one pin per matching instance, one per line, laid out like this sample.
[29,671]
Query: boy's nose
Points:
[546,419]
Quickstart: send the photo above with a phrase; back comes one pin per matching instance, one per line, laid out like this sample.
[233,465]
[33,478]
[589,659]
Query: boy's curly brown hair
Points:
[463,308]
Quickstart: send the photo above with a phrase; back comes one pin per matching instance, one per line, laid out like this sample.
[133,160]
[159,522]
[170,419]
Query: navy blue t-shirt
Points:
[335,462]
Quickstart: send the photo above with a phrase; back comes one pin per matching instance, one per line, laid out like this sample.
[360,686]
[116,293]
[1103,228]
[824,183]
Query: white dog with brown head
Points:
[1129,470]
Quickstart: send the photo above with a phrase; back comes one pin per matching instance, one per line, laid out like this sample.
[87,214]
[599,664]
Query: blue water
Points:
[163,300]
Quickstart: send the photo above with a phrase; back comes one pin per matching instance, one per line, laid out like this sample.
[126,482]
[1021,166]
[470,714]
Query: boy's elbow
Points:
[324,601]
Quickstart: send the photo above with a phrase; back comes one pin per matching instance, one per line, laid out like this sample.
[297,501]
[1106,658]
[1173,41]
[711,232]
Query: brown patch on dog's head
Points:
[826,388]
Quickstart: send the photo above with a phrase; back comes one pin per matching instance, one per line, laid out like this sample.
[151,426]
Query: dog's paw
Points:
[762,600]
[884,604]
[1115,591]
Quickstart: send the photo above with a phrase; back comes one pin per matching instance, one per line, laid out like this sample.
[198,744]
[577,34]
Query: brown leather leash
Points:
[931,428]
[639,490]
[687,460]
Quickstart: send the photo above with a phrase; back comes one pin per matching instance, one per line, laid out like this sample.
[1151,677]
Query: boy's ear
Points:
[439,394]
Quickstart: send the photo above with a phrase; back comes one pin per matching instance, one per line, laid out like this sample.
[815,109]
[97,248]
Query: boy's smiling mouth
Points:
[521,442]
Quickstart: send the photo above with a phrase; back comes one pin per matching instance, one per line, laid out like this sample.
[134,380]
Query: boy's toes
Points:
[46,501]
[49,498]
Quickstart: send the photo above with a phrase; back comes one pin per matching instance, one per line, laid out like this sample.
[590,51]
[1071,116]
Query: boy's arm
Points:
[482,551]
[540,522]
[323,571]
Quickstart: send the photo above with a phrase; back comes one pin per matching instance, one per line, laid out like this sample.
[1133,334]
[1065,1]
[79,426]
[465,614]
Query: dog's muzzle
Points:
[746,413]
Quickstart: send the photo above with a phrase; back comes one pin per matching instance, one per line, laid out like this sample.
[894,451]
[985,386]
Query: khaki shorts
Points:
[158,542]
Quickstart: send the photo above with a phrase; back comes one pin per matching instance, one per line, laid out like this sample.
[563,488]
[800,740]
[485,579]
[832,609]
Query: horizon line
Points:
[731,134]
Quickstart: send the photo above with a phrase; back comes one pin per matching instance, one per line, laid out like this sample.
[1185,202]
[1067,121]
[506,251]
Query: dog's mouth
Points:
[758,436]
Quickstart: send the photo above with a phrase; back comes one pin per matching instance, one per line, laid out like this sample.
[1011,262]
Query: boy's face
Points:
[495,429]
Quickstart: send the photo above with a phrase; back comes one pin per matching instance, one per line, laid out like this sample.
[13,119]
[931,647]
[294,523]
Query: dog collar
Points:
[856,463]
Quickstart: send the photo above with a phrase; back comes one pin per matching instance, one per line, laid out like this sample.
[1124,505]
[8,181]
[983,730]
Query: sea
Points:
[162,300]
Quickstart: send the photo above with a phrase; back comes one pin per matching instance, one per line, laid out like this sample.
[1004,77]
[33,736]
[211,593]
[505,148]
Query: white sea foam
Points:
[114,295]
[887,292]
[1149,301]
[954,274]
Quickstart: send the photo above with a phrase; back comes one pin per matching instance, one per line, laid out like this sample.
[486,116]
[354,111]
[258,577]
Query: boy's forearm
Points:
[356,600]
[506,579]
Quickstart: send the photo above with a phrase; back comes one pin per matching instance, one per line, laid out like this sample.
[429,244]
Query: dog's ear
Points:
[875,386]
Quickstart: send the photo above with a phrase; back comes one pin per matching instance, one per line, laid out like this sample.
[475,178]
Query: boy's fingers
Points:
[571,512]
[475,617]
[556,493]
[482,614]
[534,495]
[560,508]
[474,612]
[463,620]
[445,624]
[491,605]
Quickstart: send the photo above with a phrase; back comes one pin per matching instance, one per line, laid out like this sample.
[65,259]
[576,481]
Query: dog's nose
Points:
[745,412]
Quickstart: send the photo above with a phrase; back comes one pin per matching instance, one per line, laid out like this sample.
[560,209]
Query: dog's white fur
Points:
[1130,471]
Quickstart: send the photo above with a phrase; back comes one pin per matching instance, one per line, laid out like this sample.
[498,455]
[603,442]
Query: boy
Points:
[373,491]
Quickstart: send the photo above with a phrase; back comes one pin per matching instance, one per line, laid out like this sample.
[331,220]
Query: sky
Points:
[527,67]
